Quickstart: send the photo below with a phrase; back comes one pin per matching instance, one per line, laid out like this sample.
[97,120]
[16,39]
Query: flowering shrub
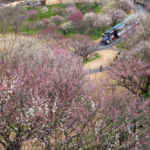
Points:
[46,21]
[35,25]
[81,45]
[117,15]
[76,16]
[32,14]
[141,51]
[125,5]
[102,21]
[71,9]
[66,27]
[58,11]
[89,18]
[145,23]
[139,33]
[148,6]
[134,80]
[57,19]
[12,18]
[51,36]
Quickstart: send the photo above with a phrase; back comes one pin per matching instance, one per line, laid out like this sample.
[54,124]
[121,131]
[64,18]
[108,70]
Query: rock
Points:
[44,10]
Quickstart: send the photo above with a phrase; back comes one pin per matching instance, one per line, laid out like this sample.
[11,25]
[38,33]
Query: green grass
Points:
[121,45]
[96,56]
[97,33]
[48,14]
[30,32]
[68,33]
[41,15]
[88,7]
[109,5]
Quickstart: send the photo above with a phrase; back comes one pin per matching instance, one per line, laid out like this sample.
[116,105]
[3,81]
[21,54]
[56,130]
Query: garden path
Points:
[106,57]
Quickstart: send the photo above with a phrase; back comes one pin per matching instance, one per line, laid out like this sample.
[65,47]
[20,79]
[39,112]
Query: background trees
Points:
[12,18]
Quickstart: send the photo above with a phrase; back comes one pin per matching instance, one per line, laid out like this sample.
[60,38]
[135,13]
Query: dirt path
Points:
[106,57]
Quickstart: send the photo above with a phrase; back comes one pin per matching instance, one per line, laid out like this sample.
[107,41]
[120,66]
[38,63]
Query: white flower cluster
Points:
[66,25]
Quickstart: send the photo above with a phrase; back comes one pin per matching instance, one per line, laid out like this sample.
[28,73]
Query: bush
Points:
[117,15]
[57,19]
[148,6]
[51,36]
[125,5]
[145,23]
[89,18]
[58,11]
[70,9]
[128,68]
[67,27]
[141,32]
[141,51]
[32,14]
[86,25]
[35,25]
[102,21]
[76,16]
[12,18]
[81,45]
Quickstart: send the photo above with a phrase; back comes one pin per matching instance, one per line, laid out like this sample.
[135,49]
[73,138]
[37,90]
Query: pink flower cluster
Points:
[74,14]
